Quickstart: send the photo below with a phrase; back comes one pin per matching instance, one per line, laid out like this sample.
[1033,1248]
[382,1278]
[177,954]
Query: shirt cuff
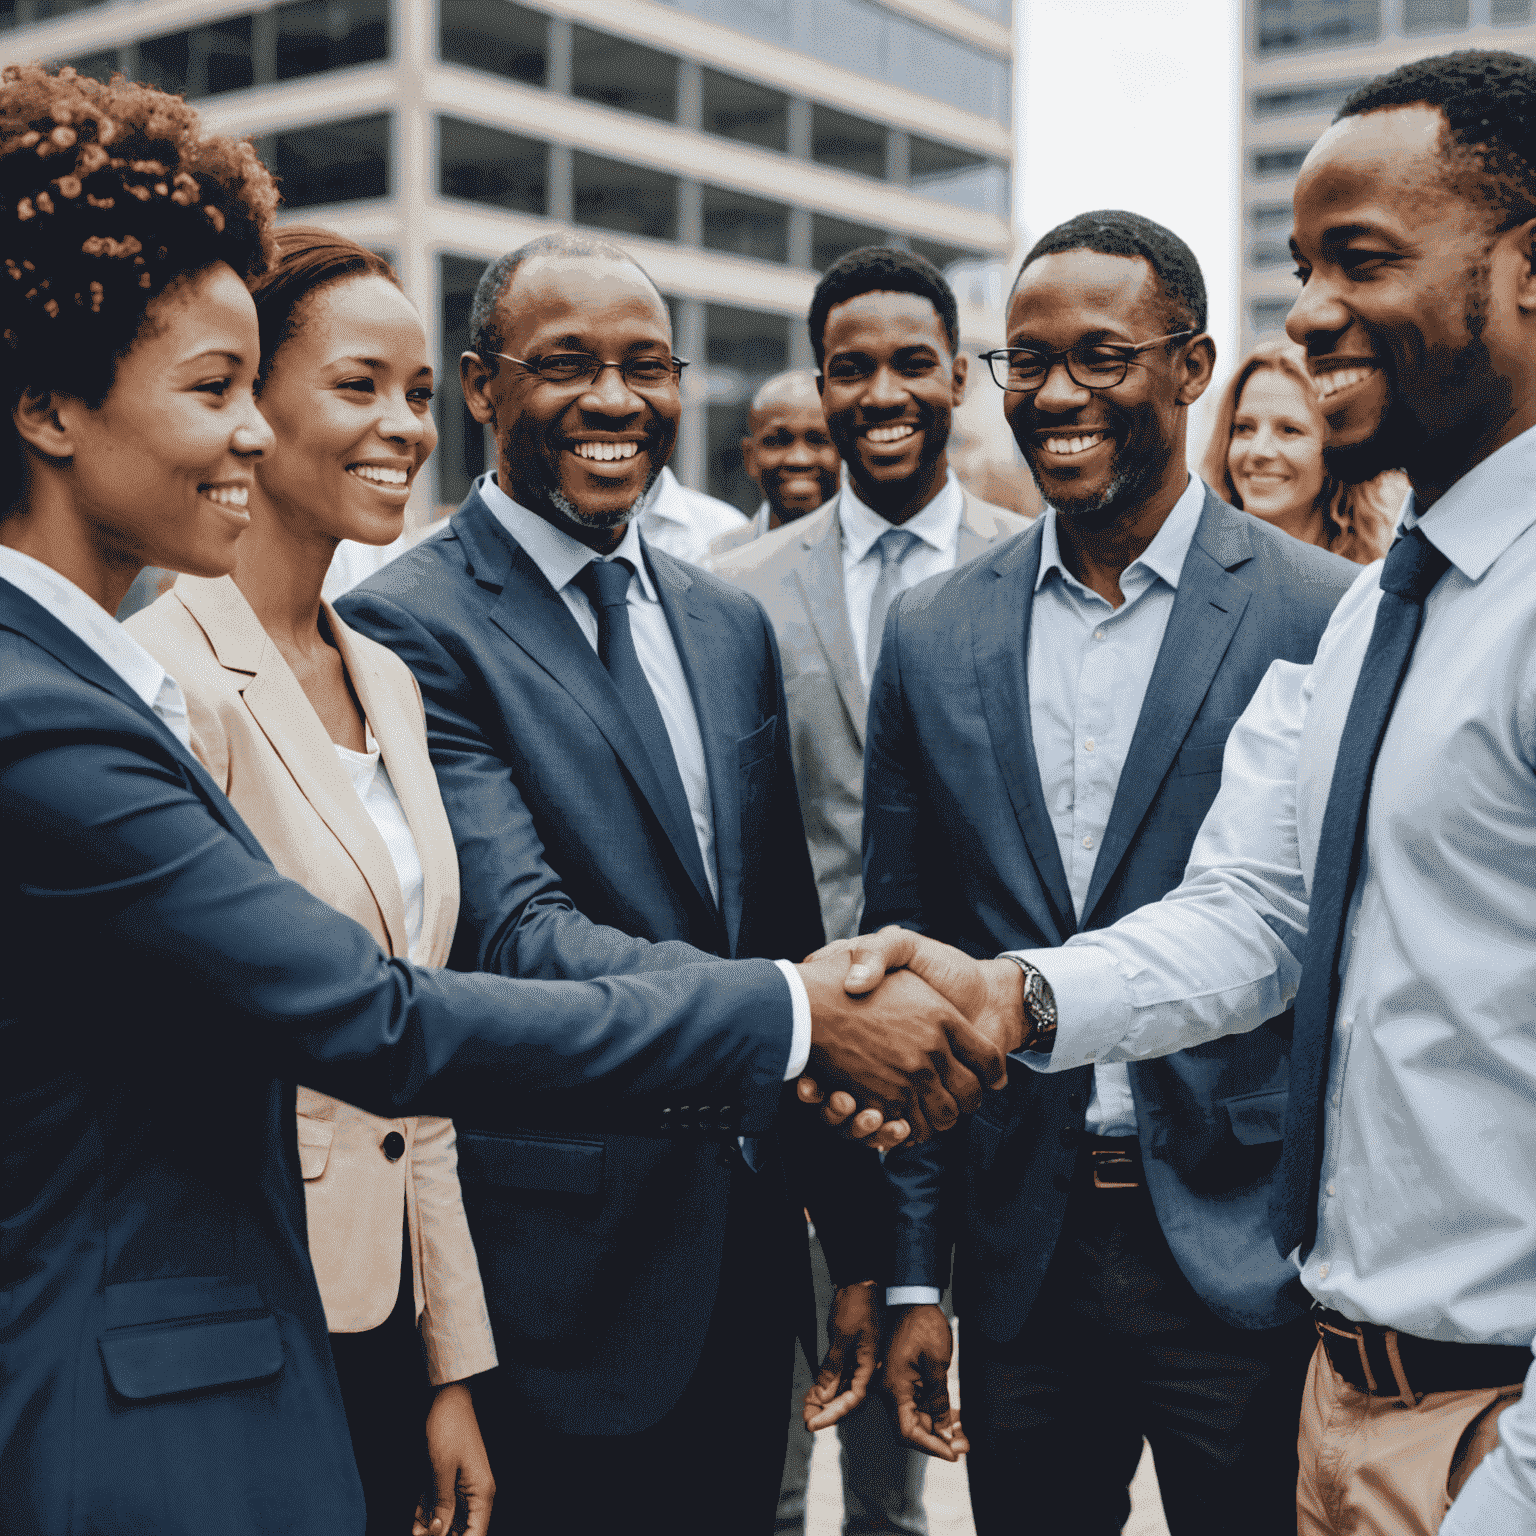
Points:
[1093,1009]
[800,1035]
[911,1295]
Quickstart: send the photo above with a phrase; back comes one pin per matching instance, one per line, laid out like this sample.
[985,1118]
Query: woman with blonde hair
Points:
[1266,457]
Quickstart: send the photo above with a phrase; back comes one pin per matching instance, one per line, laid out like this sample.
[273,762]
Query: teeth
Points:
[228,495]
[1328,383]
[606,452]
[890,434]
[378,474]
[1074,444]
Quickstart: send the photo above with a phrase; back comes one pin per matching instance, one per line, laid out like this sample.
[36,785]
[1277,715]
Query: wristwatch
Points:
[1039,1009]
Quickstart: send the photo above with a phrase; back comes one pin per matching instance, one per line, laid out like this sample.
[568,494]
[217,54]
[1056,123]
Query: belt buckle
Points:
[1113,1169]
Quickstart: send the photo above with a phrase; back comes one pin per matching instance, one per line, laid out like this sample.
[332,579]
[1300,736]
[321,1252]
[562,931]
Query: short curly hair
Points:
[110,194]
[881,269]
[1488,100]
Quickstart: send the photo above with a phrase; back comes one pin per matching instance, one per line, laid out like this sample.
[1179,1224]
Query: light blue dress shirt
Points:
[1089,667]
[1427,1202]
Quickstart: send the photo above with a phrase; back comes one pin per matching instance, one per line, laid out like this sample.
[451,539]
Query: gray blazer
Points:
[796,573]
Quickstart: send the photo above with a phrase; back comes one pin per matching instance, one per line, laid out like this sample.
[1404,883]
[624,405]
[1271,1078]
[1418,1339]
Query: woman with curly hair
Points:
[316,733]
[164,1361]
[1266,457]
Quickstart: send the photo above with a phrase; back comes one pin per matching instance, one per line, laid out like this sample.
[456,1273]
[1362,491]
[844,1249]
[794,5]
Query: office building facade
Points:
[735,146]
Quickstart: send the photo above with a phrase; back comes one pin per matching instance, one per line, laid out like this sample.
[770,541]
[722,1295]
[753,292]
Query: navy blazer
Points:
[164,1363]
[567,869]
[958,843]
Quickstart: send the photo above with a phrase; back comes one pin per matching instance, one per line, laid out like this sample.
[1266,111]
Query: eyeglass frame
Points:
[678,364]
[1126,351]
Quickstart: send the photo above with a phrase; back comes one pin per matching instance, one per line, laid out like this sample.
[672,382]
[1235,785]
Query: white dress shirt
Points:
[937,528]
[1427,1197]
[682,522]
[88,620]
[1089,667]
[370,778]
[560,559]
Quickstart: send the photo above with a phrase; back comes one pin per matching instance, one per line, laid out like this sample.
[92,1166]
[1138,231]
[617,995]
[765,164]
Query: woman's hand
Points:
[461,1471]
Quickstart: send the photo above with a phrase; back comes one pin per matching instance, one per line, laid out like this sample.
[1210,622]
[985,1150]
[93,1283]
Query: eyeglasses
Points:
[645,372]
[1091,365]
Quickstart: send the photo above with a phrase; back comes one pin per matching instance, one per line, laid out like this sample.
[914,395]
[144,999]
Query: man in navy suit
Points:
[610,735]
[1045,736]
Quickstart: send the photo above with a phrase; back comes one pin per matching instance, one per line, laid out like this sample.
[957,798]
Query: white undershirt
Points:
[370,778]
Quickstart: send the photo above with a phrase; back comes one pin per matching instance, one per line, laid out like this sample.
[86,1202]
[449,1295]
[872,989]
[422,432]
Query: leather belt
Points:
[1115,1161]
[1386,1363]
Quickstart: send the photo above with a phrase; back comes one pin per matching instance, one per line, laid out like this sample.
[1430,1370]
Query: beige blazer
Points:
[256,732]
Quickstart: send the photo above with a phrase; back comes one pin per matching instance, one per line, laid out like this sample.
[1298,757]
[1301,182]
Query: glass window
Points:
[1267,216]
[831,237]
[96,66]
[318,35]
[1506,13]
[1314,98]
[460,452]
[739,109]
[1434,15]
[330,163]
[1270,253]
[944,256]
[1277,162]
[1288,24]
[957,176]
[847,143]
[622,74]
[743,348]
[202,62]
[22,13]
[1269,314]
[496,36]
[489,165]
[745,226]
[628,199]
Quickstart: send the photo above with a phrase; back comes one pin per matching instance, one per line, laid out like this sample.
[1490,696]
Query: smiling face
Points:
[792,457]
[160,472]
[1275,456]
[581,455]
[889,389]
[348,395]
[1408,306]
[1100,454]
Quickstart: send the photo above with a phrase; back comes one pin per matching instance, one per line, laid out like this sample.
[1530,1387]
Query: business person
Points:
[1045,736]
[609,722]
[316,735]
[163,1347]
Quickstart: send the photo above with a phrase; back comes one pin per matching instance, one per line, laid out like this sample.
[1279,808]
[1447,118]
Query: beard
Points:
[1132,479]
[617,518]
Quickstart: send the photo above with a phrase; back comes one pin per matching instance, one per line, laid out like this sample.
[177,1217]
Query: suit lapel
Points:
[1206,611]
[820,578]
[533,616]
[294,732]
[1000,644]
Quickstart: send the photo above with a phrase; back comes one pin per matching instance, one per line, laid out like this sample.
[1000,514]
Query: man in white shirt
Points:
[686,522]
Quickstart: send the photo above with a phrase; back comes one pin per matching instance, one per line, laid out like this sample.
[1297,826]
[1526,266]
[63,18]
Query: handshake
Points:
[905,1033]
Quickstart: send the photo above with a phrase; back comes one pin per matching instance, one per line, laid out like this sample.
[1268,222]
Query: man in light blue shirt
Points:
[1044,739]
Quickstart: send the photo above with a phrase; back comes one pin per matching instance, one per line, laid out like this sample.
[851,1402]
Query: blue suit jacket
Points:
[164,1364]
[600,1305]
[958,843]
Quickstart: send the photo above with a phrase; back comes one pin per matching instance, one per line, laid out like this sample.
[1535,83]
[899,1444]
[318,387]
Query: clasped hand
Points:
[906,1033]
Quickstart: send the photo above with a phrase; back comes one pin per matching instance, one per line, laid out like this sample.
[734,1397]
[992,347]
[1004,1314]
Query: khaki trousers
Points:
[1374,1466]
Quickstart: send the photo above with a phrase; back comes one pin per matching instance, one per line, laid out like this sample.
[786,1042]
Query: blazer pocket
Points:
[753,749]
[315,1137]
[208,1333]
[542,1164]
[1205,745]
[1257,1117]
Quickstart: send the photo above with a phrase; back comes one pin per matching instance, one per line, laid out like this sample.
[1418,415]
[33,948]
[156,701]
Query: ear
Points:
[1198,367]
[474,375]
[1523,242]
[957,377]
[43,421]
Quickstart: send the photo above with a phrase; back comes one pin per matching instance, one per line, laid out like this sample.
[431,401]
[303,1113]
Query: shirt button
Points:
[1345,1023]
[1098,634]
[1088,745]
[1322,1271]
[1088,841]
[1332,1190]
[1336,1101]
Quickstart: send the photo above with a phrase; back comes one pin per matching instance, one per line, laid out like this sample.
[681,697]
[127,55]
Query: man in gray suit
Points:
[884,329]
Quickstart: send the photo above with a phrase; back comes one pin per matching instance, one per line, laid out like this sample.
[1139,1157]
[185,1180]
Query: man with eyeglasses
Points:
[1045,736]
[608,726]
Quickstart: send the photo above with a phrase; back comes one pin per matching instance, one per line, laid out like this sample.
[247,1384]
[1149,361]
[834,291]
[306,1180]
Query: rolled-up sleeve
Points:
[1500,1496]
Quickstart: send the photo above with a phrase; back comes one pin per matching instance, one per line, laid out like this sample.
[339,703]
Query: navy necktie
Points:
[1412,568]
[606,585]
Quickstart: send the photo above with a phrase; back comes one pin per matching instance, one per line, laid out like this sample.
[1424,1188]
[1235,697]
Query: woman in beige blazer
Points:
[317,735]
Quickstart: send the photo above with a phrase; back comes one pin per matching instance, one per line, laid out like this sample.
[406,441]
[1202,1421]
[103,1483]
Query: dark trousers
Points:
[385,1392]
[1118,1346]
[711,1464]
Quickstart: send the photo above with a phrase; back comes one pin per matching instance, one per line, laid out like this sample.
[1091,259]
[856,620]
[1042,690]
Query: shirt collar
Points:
[94,626]
[1164,556]
[1485,511]
[558,555]
[936,525]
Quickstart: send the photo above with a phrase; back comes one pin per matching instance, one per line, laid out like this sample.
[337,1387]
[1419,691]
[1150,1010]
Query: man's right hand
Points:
[904,1048]
[917,1379]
